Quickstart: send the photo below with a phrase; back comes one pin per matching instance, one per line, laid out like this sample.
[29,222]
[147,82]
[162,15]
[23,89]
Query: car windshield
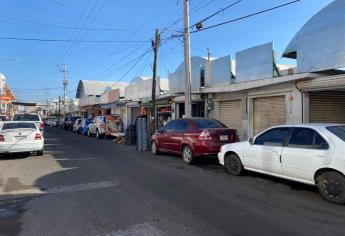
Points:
[26,117]
[339,131]
[19,125]
[208,123]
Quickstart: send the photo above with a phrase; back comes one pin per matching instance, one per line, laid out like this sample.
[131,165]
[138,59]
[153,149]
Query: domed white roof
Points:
[320,43]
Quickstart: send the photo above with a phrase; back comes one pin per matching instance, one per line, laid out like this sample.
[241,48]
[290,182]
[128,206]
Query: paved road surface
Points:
[84,186]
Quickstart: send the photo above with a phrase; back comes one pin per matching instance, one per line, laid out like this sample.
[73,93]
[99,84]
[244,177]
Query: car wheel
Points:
[40,152]
[233,164]
[187,155]
[154,148]
[331,186]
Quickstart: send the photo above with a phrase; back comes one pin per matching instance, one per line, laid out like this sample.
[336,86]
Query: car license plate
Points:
[223,137]
[19,138]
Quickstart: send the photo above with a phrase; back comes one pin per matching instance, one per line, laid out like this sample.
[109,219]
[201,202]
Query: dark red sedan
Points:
[192,137]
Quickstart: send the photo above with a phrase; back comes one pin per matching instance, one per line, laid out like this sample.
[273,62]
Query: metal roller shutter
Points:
[230,114]
[327,107]
[268,111]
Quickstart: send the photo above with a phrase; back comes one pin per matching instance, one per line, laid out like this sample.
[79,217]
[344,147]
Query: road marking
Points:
[145,229]
[82,187]
[76,159]
[65,189]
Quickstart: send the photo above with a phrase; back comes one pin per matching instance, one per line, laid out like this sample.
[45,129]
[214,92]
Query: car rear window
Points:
[339,131]
[26,117]
[7,126]
[208,123]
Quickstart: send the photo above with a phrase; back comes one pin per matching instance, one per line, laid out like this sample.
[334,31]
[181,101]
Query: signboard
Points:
[5,98]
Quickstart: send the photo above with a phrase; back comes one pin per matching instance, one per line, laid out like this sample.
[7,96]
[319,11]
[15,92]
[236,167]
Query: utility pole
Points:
[65,84]
[187,61]
[155,46]
[59,107]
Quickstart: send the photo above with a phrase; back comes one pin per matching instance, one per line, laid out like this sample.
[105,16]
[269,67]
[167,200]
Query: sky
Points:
[123,30]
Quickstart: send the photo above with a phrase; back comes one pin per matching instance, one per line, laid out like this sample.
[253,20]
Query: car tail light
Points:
[205,135]
[38,136]
[2,138]
[42,126]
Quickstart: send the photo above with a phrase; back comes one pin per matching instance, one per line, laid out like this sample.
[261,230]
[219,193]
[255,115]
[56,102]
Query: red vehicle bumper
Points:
[204,148]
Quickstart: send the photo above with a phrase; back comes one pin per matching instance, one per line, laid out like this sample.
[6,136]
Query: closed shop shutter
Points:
[268,111]
[327,107]
[230,114]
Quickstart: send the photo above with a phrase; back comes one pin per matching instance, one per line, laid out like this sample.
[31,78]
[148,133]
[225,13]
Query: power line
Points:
[74,10]
[217,12]
[193,10]
[110,68]
[73,41]
[71,36]
[131,68]
[247,16]
[39,24]
[82,32]
[201,7]
[31,89]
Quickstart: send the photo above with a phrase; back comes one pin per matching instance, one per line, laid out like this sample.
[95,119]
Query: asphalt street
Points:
[84,186]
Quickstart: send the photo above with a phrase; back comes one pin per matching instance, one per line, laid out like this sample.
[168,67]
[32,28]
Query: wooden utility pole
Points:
[155,46]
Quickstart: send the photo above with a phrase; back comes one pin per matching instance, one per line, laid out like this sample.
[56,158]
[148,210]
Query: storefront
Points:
[267,112]
[230,114]
[323,99]
[164,115]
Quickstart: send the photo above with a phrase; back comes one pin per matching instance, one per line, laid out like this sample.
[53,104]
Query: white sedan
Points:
[309,153]
[21,137]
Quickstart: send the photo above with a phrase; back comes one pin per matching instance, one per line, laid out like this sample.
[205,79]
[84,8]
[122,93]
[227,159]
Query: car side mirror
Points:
[251,141]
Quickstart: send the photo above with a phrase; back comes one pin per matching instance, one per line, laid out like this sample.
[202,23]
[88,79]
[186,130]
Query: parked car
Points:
[21,137]
[310,153]
[192,137]
[69,122]
[62,122]
[30,117]
[76,125]
[97,127]
[84,126]
[55,122]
